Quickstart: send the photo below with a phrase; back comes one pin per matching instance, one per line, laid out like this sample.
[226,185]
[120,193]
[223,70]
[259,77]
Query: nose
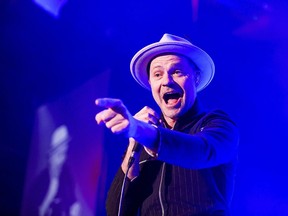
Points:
[167,79]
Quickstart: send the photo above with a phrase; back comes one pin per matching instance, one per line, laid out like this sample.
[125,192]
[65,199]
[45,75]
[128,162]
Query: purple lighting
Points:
[51,6]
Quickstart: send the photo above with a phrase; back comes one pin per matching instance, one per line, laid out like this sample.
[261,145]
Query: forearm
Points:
[130,201]
[134,169]
[216,144]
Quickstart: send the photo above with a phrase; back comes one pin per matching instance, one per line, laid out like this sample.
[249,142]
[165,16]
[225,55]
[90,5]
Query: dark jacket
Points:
[193,174]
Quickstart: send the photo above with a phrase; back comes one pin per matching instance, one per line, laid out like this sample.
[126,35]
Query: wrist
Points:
[147,135]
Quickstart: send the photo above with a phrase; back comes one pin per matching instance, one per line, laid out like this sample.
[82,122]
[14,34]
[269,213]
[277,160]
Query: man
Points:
[187,164]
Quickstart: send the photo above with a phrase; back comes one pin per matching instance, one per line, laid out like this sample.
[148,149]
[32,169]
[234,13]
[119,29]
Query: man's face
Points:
[172,79]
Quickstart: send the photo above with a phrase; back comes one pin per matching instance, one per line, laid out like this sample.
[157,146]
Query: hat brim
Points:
[142,58]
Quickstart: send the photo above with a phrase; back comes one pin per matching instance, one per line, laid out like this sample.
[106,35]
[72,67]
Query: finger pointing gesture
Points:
[116,116]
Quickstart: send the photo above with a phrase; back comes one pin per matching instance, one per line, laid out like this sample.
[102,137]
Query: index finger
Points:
[109,102]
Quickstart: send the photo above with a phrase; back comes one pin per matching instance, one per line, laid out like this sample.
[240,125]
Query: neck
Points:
[169,123]
[187,116]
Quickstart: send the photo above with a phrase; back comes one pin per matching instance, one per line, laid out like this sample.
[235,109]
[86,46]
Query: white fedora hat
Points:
[173,45]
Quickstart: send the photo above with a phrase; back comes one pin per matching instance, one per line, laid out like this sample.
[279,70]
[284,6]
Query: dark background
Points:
[43,57]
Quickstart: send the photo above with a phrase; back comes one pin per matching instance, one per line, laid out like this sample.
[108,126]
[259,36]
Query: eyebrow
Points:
[157,66]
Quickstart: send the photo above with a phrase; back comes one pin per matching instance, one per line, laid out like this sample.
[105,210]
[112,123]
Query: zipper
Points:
[161,181]
[160,190]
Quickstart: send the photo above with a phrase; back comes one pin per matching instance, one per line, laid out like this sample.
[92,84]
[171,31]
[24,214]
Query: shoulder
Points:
[216,120]
[217,115]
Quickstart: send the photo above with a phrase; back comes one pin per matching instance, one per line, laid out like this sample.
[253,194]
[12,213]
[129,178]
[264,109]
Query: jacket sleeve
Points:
[214,144]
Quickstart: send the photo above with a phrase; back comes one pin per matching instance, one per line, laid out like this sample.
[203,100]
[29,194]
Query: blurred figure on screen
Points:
[53,193]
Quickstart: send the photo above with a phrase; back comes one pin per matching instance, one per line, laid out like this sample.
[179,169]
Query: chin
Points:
[172,114]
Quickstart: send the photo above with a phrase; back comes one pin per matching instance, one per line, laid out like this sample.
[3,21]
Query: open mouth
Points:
[171,97]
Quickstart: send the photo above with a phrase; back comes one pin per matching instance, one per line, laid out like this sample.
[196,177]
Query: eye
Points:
[157,74]
[177,73]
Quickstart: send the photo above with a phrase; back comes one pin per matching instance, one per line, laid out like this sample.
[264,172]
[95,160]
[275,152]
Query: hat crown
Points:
[172,44]
[172,38]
